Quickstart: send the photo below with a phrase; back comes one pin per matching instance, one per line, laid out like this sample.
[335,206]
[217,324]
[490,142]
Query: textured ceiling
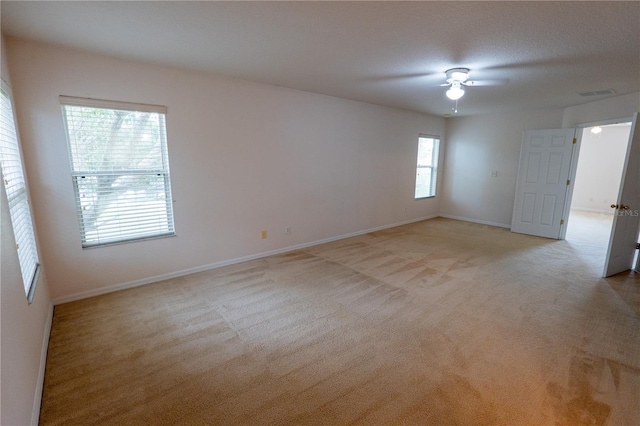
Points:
[387,53]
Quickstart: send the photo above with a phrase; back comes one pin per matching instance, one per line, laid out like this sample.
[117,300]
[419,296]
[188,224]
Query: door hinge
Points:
[568,182]
[574,140]
[561,221]
[638,246]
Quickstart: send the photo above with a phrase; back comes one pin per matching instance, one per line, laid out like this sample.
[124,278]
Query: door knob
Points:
[614,206]
[623,207]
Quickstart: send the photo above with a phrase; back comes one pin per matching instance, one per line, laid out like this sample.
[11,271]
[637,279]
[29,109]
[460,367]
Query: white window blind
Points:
[427,168]
[120,170]
[16,188]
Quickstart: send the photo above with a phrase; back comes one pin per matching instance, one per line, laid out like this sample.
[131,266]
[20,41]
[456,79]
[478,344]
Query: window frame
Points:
[76,175]
[25,235]
[435,153]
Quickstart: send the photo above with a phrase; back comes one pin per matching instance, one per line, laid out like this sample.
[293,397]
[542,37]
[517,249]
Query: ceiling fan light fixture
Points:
[455,92]
[457,74]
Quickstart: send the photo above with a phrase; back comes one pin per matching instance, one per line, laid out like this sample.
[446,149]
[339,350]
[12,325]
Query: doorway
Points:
[600,165]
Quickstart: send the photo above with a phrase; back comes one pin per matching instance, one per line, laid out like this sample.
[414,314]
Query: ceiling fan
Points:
[458,78]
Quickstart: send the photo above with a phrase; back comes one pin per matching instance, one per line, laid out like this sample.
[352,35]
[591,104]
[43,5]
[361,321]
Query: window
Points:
[16,187]
[427,169]
[120,170]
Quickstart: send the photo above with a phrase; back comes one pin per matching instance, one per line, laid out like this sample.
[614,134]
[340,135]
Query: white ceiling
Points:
[387,53]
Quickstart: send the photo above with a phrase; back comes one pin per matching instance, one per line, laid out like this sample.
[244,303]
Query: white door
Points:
[545,163]
[626,221]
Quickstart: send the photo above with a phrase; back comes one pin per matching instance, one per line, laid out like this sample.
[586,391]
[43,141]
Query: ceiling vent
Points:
[599,93]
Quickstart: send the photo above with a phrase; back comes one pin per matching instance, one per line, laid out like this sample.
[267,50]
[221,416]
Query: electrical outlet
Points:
[263,234]
[287,229]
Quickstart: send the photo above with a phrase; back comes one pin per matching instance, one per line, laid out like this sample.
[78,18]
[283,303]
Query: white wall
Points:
[476,147]
[479,145]
[600,166]
[24,327]
[244,157]
[623,106]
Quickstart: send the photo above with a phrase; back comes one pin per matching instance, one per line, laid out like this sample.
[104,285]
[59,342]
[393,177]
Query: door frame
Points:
[574,166]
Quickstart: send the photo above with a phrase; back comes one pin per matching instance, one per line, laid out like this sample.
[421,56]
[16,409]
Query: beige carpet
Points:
[435,323]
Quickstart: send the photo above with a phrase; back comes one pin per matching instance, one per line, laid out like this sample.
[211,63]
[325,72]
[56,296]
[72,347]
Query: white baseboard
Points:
[587,209]
[483,222]
[37,398]
[157,278]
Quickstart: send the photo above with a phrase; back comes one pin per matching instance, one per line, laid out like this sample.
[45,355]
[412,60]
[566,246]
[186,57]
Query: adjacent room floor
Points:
[439,322]
[590,231]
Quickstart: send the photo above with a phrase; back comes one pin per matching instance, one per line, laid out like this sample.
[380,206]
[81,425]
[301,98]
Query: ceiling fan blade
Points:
[408,77]
[495,82]
[445,84]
